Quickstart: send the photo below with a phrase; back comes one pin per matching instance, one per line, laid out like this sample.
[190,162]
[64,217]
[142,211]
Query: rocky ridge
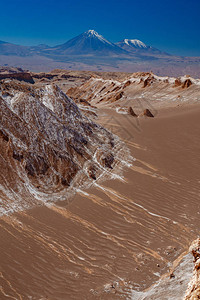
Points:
[137,87]
[15,73]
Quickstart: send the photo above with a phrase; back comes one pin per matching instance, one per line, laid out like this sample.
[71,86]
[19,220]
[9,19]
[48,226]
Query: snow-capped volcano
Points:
[136,46]
[89,42]
[133,43]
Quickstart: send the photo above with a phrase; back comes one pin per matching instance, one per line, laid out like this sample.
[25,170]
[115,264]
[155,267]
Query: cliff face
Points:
[15,73]
[21,76]
[193,291]
[47,147]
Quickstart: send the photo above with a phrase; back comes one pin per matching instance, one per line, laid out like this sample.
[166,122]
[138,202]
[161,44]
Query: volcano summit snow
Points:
[133,43]
[89,42]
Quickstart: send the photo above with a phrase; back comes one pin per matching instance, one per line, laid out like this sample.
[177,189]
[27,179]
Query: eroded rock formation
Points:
[48,148]
[147,113]
[15,73]
[131,112]
[138,86]
[193,291]
[187,83]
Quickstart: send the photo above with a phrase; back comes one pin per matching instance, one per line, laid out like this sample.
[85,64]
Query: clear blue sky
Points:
[170,25]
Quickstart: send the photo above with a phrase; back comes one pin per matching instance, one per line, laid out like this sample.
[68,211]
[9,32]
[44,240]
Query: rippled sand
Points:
[119,235]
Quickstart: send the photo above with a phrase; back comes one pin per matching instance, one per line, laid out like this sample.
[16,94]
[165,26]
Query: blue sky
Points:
[172,26]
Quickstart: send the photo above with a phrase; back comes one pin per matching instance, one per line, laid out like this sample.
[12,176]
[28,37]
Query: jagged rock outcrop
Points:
[115,97]
[126,110]
[182,83]
[48,148]
[187,83]
[193,291]
[148,81]
[127,83]
[23,76]
[15,73]
[44,75]
[177,82]
[147,113]
[131,112]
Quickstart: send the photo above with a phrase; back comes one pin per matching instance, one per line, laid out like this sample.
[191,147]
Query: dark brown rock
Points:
[23,76]
[119,96]
[131,112]
[108,160]
[17,156]
[4,136]
[147,113]
[92,172]
[84,102]
[43,75]
[187,83]
[36,165]
[127,84]
[117,88]
[148,81]
[171,275]
[177,83]
[64,182]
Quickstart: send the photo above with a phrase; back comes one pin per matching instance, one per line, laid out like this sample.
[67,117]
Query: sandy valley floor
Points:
[119,235]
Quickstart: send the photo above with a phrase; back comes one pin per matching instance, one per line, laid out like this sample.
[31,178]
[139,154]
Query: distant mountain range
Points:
[91,51]
[87,43]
